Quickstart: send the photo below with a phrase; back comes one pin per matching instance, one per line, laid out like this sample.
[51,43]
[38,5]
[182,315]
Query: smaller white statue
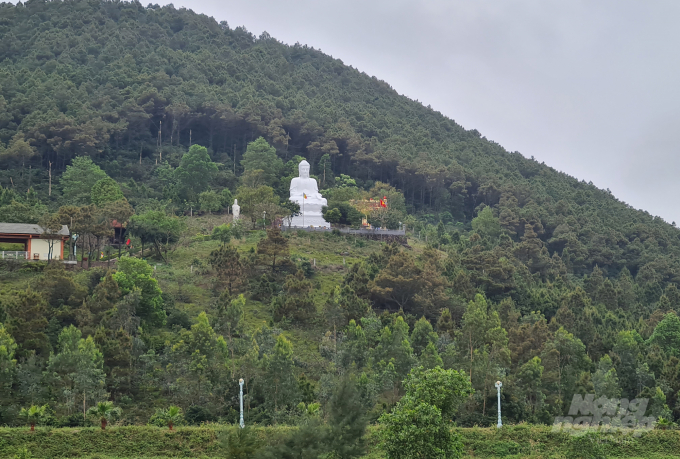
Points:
[236,210]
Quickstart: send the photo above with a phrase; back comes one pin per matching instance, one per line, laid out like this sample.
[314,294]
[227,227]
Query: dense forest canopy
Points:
[115,112]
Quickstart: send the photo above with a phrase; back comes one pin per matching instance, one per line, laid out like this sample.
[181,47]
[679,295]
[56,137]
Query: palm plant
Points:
[104,411]
[172,415]
[33,415]
[664,423]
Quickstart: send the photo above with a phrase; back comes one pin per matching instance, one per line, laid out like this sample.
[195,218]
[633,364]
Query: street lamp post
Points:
[264,219]
[240,383]
[498,387]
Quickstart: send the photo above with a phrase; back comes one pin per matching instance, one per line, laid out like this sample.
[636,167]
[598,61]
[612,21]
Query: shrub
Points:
[196,415]
[587,446]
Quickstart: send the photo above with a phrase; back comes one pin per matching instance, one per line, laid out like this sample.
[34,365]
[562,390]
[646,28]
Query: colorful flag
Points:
[304,195]
[128,242]
[382,203]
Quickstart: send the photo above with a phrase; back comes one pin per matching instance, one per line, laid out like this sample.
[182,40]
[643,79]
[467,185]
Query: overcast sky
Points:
[590,87]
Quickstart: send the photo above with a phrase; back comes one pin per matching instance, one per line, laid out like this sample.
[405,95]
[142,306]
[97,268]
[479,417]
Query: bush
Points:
[505,448]
[177,317]
[240,443]
[73,420]
[587,446]
[196,415]
[305,266]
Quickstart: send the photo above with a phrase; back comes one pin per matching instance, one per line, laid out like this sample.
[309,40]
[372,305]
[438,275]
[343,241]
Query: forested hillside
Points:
[159,118]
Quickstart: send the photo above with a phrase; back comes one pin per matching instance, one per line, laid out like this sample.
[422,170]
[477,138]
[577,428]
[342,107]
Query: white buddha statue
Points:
[305,191]
[236,210]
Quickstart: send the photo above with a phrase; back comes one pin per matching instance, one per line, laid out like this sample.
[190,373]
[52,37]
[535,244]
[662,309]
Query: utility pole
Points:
[498,388]
[49,188]
[71,254]
[240,383]
[160,140]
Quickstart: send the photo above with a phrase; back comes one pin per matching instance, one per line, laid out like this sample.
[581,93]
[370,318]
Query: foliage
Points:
[227,262]
[33,415]
[418,426]
[255,202]
[104,412]
[273,247]
[76,371]
[209,441]
[222,233]
[261,156]
[157,228]
[347,421]
[104,191]
[133,274]
[210,201]
[79,179]
[511,270]
[194,173]
[171,416]
[240,443]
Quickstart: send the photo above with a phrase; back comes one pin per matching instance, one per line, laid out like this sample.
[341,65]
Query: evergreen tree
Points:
[27,323]
[79,179]
[76,371]
[104,191]
[194,173]
[261,156]
[347,422]
[227,262]
[279,375]
[134,273]
[273,247]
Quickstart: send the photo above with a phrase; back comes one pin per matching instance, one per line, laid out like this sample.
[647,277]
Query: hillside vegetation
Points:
[111,112]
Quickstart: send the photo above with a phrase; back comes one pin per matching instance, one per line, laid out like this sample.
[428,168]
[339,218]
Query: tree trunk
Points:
[32,427]
[104,422]
[170,425]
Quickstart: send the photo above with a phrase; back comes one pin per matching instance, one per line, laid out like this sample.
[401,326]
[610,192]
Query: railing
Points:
[377,231]
[21,255]
[14,255]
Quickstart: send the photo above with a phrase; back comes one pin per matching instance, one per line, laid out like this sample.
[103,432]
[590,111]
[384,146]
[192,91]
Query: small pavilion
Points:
[36,243]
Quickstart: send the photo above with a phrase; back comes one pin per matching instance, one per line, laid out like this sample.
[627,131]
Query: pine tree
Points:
[227,262]
[445,323]
[27,321]
[273,247]
[347,422]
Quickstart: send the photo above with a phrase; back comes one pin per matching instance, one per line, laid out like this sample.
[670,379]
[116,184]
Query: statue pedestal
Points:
[309,220]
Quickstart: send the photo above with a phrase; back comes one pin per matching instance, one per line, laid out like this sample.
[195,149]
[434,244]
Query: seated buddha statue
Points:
[305,191]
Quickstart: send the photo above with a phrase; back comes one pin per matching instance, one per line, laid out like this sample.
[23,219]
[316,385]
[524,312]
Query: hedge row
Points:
[146,441]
